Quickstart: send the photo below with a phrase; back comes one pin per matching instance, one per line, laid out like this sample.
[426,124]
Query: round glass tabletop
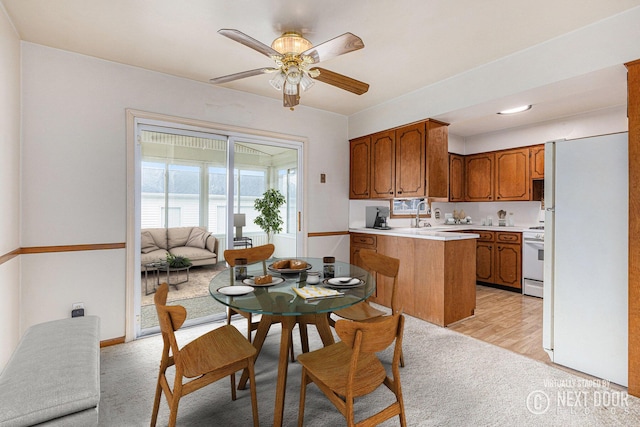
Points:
[287,295]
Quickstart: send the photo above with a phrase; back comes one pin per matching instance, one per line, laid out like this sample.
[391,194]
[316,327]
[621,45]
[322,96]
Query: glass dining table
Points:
[281,302]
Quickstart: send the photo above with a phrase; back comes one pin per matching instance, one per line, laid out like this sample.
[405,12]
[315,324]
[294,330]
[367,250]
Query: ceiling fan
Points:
[294,57]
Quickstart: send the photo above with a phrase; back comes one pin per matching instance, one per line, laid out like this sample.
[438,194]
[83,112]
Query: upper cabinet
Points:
[512,175]
[383,165]
[456,178]
[479,177]
[359,162]
[409,161]
[505,175]
[537,162]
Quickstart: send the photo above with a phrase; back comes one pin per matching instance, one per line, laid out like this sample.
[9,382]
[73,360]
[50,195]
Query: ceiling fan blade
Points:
[248,41]
[341,81]
[331,48]
[290,100]
[243,74]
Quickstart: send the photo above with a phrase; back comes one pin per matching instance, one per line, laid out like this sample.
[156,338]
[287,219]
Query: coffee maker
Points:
[376,217]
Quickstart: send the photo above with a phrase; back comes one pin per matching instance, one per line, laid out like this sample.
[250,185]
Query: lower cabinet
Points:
[436,281]
[499,258]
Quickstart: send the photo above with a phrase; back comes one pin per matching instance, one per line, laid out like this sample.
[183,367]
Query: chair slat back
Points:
[386,266]
[170,317]
[255,254]
[376,335]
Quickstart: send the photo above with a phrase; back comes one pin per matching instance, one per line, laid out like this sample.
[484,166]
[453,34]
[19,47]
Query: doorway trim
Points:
[133,228]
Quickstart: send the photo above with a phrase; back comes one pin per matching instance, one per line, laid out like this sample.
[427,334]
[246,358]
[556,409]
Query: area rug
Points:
[449,380]
[193,295]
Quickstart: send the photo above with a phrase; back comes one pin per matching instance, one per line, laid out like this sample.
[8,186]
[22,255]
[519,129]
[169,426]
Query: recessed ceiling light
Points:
[516,110]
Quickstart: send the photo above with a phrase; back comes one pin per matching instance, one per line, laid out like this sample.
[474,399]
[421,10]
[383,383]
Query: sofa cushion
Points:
[178,236]
[197,238]
[194,254]
[153,237]
[147,244]
[154,256]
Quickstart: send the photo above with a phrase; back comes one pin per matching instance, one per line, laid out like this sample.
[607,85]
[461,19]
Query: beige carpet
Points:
[449,380]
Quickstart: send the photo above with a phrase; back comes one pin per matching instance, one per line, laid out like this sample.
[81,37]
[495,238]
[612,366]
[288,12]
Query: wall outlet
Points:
[77,309]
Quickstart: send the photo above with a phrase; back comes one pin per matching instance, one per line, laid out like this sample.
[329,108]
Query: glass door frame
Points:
[134,158]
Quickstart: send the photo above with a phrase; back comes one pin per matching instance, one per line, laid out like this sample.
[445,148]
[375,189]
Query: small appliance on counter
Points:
[376,217]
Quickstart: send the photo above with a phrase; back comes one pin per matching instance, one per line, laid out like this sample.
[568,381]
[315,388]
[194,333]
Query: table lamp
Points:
[239,221]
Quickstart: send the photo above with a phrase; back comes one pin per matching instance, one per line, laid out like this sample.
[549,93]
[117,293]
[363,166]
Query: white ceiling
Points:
[409,44]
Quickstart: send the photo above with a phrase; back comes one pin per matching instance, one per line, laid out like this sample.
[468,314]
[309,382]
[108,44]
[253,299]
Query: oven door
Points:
[533,260]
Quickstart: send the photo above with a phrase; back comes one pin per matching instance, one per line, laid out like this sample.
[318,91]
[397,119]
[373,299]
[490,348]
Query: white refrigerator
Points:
[586,255]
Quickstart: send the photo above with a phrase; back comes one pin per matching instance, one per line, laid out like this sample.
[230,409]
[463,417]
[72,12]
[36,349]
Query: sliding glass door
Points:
[191,177]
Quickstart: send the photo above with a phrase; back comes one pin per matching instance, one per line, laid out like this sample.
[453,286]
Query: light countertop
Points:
[438,232]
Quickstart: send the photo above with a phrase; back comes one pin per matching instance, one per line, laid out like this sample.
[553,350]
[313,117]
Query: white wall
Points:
[604,44]
[10,188]
[74,179]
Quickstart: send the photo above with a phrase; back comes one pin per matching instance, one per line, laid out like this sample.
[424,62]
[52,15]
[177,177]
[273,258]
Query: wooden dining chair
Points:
[217,354]
[386,266]
[350,368]
[255,254]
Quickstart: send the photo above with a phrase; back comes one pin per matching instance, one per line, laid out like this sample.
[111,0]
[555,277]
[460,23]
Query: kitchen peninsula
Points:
[437,277]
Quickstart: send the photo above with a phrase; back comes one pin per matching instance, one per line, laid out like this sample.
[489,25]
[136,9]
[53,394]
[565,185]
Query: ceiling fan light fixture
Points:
[291,42]
[306,82]
[278,81]
[290,89]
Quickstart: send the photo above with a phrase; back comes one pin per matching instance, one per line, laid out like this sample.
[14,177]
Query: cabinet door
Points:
[437,167]
[359,164]
[509,265]
[383,165]
[456,178]
[479,177]
[410,161]
[512,175]
[537,162]
[484,262]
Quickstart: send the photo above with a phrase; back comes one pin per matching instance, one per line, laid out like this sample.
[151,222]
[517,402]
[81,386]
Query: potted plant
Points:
[269,207]
[176,261]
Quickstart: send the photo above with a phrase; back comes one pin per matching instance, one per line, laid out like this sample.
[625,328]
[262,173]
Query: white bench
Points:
[53,376]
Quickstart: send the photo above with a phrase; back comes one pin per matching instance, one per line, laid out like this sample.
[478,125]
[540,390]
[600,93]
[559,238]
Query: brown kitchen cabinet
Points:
[409,161]
[361,241]
[359,164]
[440,291]
[437,165]
[499,258]
[456,178]
[485,264]
[383,165]
[479,176]
[511,168]
[508,260]
[537,162]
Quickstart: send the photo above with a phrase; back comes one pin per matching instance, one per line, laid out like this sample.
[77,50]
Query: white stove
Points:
[533,261]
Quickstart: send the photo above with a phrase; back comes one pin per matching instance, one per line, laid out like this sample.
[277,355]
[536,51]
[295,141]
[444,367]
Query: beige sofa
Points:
[195,243]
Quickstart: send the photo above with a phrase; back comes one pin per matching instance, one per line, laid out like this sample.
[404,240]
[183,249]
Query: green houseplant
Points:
[178,261]
[269,207]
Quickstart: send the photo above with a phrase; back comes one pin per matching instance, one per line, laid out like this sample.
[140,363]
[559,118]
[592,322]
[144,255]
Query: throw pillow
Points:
[147,244]
[197,238]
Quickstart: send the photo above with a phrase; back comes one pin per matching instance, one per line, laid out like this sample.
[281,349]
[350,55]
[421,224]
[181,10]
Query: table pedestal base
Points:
[321,321]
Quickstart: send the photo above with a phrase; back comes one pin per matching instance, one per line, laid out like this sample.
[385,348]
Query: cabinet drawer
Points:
[485,236]
[366,240]
[508,237]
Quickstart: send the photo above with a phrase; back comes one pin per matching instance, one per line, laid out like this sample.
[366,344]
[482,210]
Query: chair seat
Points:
[330,365]
[359,312]
[215,350]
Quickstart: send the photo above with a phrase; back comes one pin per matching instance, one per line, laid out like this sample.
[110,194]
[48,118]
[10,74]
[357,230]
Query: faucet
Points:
[417,224]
